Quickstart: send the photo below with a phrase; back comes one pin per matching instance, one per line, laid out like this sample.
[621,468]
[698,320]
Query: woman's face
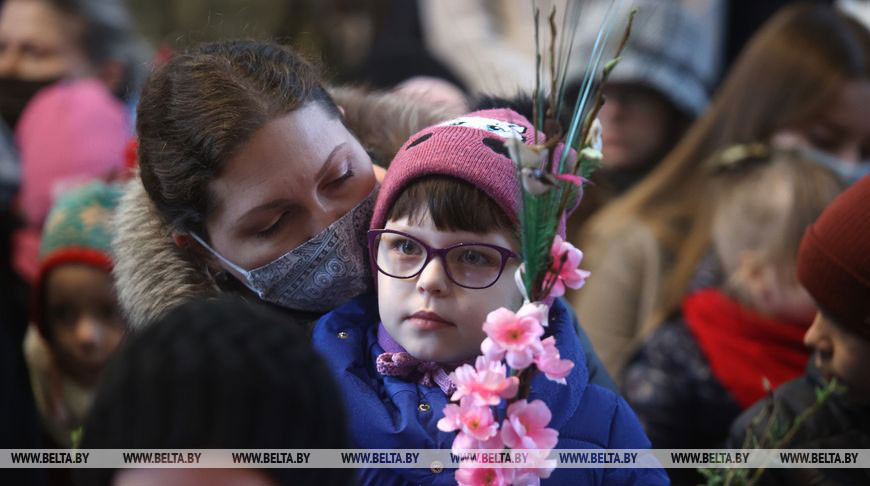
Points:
[637,126]
[842,130]
[296,175]
[38,42]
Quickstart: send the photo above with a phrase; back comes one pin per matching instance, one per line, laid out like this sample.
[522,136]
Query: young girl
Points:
[445,246]
[77,322]
[696,373]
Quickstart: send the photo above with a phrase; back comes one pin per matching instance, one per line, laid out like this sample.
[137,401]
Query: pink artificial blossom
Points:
[479,476]
[567,273]
[539,467]
[549,362]
[487,383]
[516,337]
[475,421]
[526,426]
[452,419]
[464,442]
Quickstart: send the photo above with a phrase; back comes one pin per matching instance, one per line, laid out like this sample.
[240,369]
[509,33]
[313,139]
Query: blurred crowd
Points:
[727,231]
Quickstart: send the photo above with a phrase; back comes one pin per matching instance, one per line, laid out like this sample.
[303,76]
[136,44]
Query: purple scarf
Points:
[395,361]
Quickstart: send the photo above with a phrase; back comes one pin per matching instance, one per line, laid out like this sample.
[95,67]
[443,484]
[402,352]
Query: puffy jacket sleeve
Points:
[604,420]
[598,374]
[627,433]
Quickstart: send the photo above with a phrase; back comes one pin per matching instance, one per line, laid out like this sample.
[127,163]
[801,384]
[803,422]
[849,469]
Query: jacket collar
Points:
[359,319]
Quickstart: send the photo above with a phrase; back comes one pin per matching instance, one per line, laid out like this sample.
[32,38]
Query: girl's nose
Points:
[88,333]
[433,279]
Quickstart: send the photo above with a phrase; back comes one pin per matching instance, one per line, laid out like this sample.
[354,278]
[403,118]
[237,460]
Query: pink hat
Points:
[70,132]
[472,148]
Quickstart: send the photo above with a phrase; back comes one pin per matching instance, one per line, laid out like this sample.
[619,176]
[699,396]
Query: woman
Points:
[804,80]
[252,182]
[244,156]
[43,41]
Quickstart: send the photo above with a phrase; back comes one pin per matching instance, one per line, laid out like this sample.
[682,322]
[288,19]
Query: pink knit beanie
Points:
[472,148]
[70,133]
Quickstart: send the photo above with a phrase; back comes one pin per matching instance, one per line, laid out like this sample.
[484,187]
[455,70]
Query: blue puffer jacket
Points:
[386,413]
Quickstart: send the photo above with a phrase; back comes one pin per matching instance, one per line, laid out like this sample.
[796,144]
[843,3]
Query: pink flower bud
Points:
[526,426]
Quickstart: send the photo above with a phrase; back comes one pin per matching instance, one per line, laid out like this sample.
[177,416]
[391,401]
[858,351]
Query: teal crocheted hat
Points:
[77,230]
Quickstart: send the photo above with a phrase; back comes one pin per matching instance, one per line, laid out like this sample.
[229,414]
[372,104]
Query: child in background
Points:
[696,373]
[834,266]
[445,244]
[76,322]
[217,374]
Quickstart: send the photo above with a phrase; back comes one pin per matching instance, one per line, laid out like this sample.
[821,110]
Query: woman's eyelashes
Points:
[340,180]
[282,220]
[271,230]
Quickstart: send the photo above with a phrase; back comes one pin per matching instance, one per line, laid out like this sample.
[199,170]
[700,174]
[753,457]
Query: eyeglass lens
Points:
[473,266]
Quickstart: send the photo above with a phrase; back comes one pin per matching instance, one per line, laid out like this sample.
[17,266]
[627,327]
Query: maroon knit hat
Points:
[472,148]
[834,259]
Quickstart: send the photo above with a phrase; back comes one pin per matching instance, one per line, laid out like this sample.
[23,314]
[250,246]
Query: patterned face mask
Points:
[320,274]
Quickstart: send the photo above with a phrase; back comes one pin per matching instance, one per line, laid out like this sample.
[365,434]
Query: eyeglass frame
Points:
[440,253]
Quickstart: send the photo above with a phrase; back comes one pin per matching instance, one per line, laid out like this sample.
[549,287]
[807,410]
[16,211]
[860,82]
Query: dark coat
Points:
[839,424]
[674,392]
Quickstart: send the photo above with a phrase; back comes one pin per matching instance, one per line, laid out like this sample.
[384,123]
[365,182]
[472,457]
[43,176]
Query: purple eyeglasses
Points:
[469,265]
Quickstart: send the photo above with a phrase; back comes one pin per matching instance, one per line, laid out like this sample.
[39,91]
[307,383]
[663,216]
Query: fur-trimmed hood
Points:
[152,275]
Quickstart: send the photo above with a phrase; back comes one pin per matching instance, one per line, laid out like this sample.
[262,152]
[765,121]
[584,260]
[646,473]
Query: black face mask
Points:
[15,94]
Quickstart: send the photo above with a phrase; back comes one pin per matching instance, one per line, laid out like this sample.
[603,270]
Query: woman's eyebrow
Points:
[329,161]
[275,204]
[280,203]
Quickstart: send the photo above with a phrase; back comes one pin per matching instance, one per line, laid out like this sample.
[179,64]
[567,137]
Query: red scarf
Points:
[743,346]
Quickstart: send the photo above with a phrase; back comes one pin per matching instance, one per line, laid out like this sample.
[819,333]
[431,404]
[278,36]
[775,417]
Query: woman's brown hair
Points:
[202,106]
[792,68]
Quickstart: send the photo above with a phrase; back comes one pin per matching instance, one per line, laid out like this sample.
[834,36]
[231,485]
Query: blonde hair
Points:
[790,70]
[764,205]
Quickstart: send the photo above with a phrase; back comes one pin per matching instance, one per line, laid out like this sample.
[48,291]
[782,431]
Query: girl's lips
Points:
[428,320]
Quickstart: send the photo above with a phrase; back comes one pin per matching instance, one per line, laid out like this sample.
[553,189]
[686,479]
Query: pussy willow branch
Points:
[599,102]
[553,33]
[536,91]
[798,422]
[605,74]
